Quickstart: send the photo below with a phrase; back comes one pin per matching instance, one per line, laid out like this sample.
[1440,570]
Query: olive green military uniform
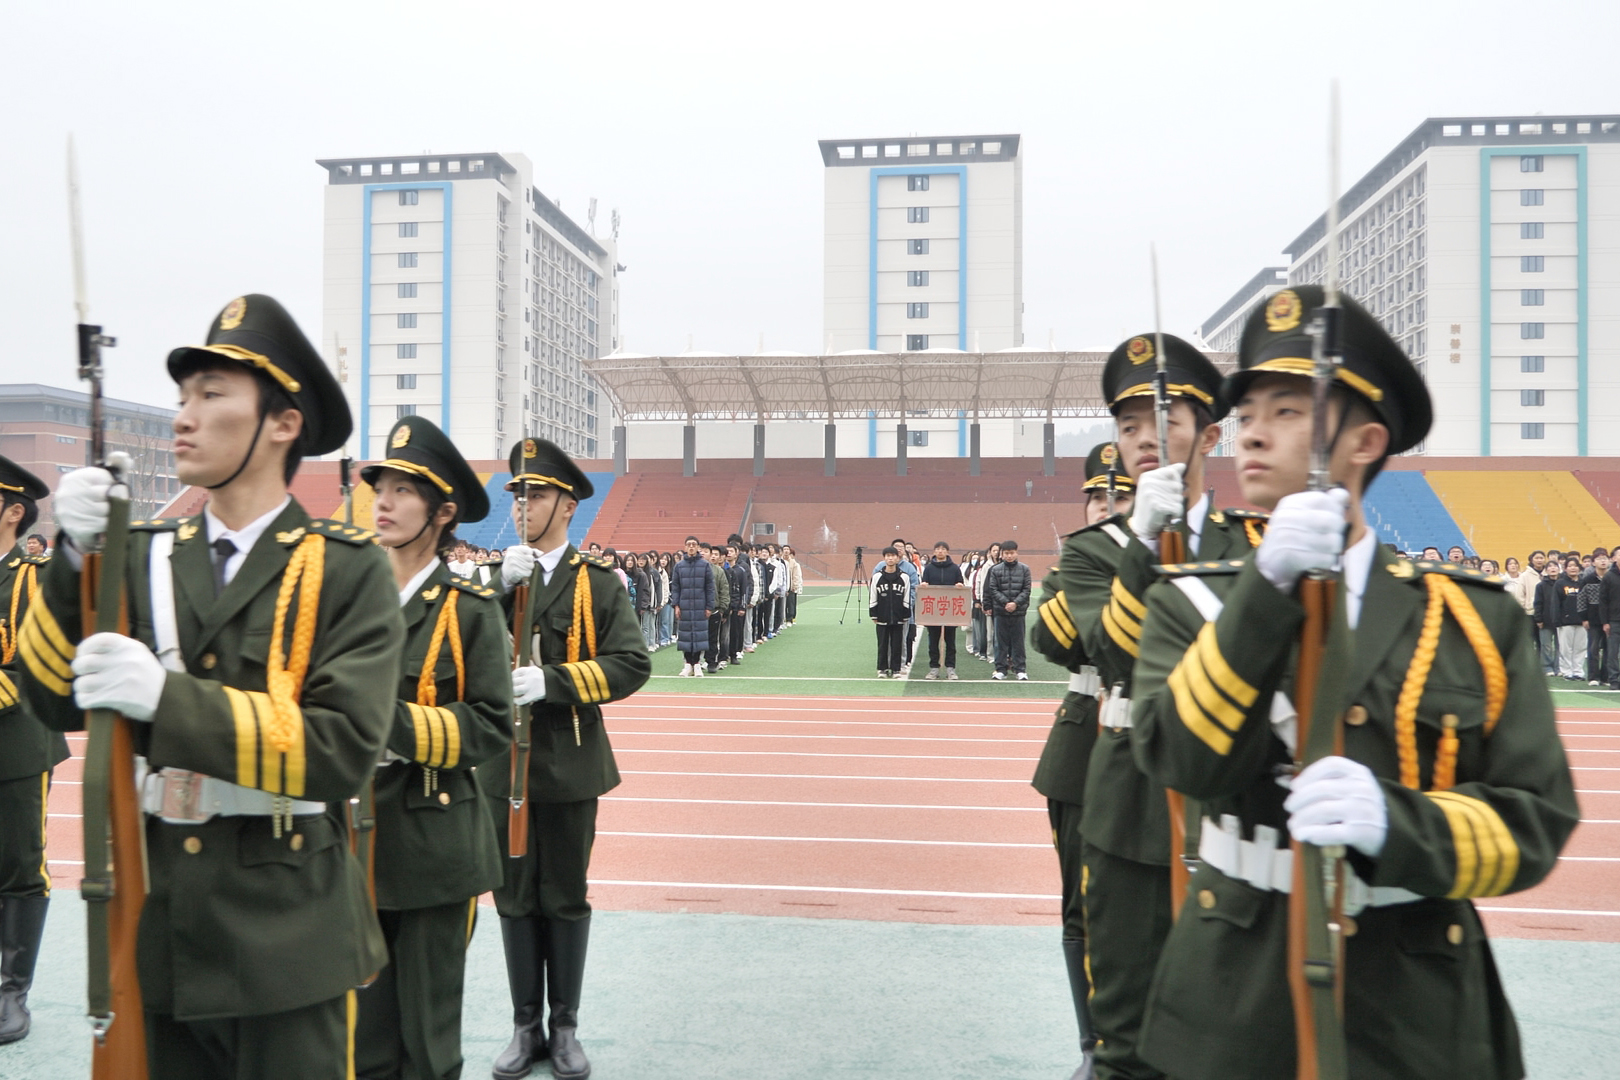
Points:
[239,922]
[1422,995]
[436,849]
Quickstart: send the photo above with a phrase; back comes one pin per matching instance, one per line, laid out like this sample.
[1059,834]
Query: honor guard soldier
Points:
[435,846]
[1105,574]
[258,638]
[586,650]
[28,752]
[1061,773]
[1451,784]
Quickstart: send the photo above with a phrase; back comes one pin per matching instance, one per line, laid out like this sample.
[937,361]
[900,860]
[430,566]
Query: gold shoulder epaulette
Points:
[37,560]
[473,587]
[159,524]
[601,561]
[337,530]
[1413,569]
[1201,569]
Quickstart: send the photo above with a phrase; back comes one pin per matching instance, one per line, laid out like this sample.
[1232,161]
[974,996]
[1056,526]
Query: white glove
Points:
[81,505]
[528,685]
[517,566]
[1338,801]
[1160,496]
[1306,532]
[117,672]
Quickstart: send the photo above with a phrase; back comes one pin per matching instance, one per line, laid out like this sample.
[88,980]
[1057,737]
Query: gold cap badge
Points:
[402,435]
[234,312]
[1140,350]
[1109,454]
[529,449]
[1283,311]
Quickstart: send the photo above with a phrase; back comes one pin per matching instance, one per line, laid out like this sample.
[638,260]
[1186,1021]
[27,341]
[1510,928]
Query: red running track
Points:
[906,810]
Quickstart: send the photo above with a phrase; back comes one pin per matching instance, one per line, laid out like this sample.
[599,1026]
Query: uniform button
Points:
[1454,933]
[444,798]
[1206,899]
[193,845]
[208,661]
[1356,716]
[297,842]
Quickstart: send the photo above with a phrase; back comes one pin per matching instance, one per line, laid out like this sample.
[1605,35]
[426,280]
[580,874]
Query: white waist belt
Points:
[180,797]
[1263,864]
[1085,681]
[1116,712]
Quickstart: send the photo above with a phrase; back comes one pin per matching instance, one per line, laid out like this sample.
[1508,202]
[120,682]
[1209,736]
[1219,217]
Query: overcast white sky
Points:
[1196,126]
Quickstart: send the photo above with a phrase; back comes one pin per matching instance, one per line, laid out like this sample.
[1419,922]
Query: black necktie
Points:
[223,550]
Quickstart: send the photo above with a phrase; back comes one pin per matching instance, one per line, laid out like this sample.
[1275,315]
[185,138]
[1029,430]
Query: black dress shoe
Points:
[568,1060]
[517,1060]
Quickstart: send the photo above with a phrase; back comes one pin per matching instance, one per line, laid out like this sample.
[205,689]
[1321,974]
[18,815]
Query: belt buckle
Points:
[182,796]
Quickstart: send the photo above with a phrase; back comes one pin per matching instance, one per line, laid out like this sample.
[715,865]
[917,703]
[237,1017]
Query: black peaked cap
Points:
[417,446]
[16,480]
[1102,455]
[1132,367]
[257,332]
[1276,339]
[539,461]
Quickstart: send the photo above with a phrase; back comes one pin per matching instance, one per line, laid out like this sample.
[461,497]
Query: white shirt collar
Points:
[1357,565]
[548,562]
[418,581]
[244,538]
[1196,516]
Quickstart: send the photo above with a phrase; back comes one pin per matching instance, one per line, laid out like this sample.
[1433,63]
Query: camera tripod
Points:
[857,577]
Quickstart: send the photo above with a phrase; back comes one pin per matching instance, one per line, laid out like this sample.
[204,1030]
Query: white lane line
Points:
[1595,791]
[834,723]
[1583,735]
[806,753]
[853,678]
[834,805]
[832,705]
[1545,911]
[820,776]
[774,701]
[824,839]
[1600,821]
[1588,858]
[827,889]
[843,738]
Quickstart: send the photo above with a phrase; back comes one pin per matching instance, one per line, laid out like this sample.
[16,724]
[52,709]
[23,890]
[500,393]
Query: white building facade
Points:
[1490,248]
[924,243]
[456,290]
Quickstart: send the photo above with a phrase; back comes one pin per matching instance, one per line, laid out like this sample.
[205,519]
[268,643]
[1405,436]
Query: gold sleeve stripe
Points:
[44,623]
[247,737]
[1192,714]
[1121,639]
[1216,707]
[1062,613]
[1125,620]
[579,681]
[1231,684]
[1059,634]
[435,730]
[270,760]
[600,677]
[419,726]
[8,691]
[51,666]
[1491,860]
[589,681]
[1130,603]
[452,737]
[294,758]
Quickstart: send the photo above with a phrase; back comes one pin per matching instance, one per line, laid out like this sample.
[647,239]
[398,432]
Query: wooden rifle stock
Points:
[517,819]
[1173,549]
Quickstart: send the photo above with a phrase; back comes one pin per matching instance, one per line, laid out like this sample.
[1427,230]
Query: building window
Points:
[404,382]
[916,277]
[916,247]
[917,215]
[917,183]
[407,228]
[408,198]
[404,352]
[916,311]
[69,439]
[1532,363]
[405,320]
[1531,330]
[401,411]
[1532,196]
[916,342]
[1530,163]
[407,290]
[1532,264]
[1532,230]
[407,260]
[1532,431]
[1532,297]
[1532,397]
[916,438]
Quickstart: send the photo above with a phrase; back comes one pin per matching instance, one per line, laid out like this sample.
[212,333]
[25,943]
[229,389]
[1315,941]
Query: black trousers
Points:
[1009,641]
[1065,821]
[312,1043]
[1127,912]
[1597,646]
[548,882]
[409,1023]
[739,633]
[717,649]
[933,646]
[1611,673]
[22,836]
[792,606]
[891,646]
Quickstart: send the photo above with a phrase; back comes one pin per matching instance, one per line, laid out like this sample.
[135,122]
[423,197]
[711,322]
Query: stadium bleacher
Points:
[1402,509]
[1514,512]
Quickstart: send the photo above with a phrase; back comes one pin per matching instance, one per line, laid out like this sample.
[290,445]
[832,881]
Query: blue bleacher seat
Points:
[1402,509]
[496,532]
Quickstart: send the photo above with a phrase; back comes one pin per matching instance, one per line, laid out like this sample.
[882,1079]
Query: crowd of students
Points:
[999,589]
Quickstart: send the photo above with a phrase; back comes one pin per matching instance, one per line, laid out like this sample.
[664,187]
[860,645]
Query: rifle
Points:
[1113,476]
[1316,900]
[114,829]
[517,817]
[1172,549]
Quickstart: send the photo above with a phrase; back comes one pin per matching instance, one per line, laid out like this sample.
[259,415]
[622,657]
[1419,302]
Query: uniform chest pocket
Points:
[443,671]
[450,789]
[1226,899]
[257,844]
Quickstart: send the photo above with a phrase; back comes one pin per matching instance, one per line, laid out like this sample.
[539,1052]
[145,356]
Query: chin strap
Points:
[264,413]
